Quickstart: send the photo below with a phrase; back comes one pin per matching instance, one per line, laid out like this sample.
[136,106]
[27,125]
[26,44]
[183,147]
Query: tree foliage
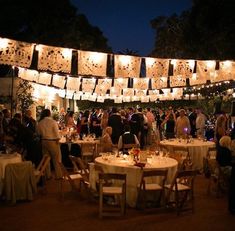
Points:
[206,31]
[50,22]
[24,95]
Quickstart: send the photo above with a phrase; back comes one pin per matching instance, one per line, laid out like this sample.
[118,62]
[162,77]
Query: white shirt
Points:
[48,129]
[120,143]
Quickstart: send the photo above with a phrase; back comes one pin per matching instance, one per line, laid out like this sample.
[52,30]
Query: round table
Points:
[197,149]
[133,173]
[6,159]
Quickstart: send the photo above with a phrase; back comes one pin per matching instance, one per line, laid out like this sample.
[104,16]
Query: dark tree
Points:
[206,31]
[50,22]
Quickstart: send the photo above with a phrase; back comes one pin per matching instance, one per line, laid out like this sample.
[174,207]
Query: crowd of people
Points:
[116,128]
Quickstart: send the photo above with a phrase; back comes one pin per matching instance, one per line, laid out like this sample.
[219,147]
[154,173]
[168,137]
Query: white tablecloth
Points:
[197,149]
[118,165]
[6,159]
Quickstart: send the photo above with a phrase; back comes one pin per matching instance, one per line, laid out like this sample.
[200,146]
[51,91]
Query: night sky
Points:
[125,23]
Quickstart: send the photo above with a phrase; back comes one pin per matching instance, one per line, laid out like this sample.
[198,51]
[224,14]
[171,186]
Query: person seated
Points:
[224,155]
[127,139]
[106,141]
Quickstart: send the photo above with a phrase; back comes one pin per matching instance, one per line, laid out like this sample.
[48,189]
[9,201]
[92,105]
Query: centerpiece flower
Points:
[135,152]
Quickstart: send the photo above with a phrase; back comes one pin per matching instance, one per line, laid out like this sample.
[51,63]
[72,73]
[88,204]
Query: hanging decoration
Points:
[156,67]
[55,59]
[73,83]
[27,74]
[196,79]
[205,69]
[58,81]
[183,68]
[88,84]
[92,63]
[102,86]
[141,83]
[177,81]
[226,70]
[16,53]
[159,83]
[120,83]
[126,66]
[128,92]
[44,78]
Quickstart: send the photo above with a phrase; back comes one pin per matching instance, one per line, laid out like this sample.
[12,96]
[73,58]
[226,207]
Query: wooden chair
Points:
[87,152]
[74,180]
[216,177]
[181,154]
[79,167]
[41,170]
[150,182]
[182,188]
[118,188]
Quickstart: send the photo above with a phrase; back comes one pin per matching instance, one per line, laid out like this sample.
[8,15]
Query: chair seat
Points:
[75,176]
[112,190]
[181,187]
[153,186]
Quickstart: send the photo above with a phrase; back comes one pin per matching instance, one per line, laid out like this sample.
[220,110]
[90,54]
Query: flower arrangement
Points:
[135,152]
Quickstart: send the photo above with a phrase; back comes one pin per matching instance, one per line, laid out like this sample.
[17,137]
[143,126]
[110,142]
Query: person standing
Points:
[200,123]
[48,130]
[182,126]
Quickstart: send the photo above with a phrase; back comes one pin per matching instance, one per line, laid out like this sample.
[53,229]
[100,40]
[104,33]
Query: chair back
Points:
[80,167]
[153,173]
[211,153]
[181,154]
[40,170]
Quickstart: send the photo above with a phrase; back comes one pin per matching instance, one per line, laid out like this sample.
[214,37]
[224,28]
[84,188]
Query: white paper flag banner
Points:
[166,94]
[73,83]
[177,93]
[216,77]
[69,94]
[153,98]
[183,68]
[92,63]
[144,99]
[126,99]
[159,83]
[177,81]
[58,81]
[141,83]
[196,80]
[44,78]
[27,74]
[77,95]
[156,67]
[135,98]
[61,93]
[100,99]
[227,70]
[120,83]
[115,92]
[92,97]
[126,66]
[153,95]
[54,58]
[88,84]
[205,69]
[86,96]
[15,53]
[128,92]
[118,99]
[140,92]
[102,86]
